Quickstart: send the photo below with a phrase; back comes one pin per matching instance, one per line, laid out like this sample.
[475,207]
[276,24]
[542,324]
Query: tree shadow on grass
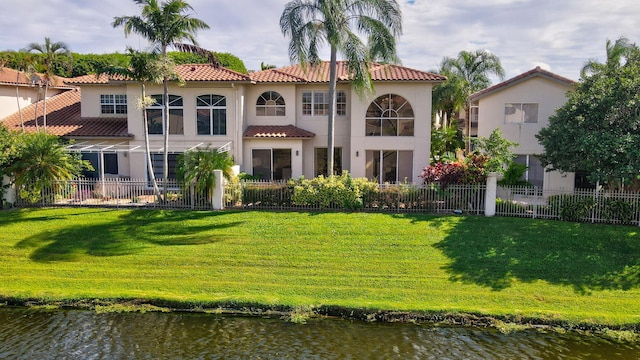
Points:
[494,252]
[128,233]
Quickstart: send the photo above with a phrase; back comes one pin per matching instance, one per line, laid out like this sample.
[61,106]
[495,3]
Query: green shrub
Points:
[270,194]
[572,207]
[341,191]
[617,209]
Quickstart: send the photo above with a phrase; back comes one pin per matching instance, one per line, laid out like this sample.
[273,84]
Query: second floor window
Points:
[211,115]
[316,103]
[520,113]
[270,103]
[176,118]
[389,115]
[113,104]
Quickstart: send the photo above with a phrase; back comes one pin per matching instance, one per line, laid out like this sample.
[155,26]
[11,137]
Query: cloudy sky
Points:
[558,35]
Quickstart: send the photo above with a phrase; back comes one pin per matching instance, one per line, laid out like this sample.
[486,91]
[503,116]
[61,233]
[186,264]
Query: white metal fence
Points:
[584,205]
[111,192]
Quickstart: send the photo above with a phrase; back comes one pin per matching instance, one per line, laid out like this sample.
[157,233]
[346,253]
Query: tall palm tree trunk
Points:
[332,112]
[152,176]
[165,124]
[18,100]
[44,107]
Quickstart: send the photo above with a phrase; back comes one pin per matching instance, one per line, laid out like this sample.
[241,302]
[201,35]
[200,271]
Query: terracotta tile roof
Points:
[517,79]
[63,119]
[189,72]
[14,77]
[320,74]
[275,131]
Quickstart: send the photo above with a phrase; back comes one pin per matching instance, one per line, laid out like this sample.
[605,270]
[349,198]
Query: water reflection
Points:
[28,334]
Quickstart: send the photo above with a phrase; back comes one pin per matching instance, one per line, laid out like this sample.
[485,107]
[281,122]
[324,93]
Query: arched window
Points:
[154,115]
[389,115]
[211,114]
[270,103]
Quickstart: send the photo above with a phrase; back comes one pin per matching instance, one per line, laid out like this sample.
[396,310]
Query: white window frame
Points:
[274,104]
[341,102]
[116,103]
[520,109]
[390,114]
[158,105]
[211,107]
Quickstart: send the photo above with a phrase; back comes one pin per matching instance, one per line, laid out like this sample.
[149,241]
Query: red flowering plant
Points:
[470,170]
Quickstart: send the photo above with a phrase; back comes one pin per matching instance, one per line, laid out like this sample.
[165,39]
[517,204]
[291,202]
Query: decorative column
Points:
[491,194]
[218,191]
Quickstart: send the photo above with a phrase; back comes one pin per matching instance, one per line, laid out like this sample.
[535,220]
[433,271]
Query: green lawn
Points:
[410,262]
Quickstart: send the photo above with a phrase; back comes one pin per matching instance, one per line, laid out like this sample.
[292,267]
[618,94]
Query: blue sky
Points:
[558,35]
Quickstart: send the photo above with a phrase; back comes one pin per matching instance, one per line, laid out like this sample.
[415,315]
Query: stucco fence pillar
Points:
[491,194]
[9,193]
[218,191]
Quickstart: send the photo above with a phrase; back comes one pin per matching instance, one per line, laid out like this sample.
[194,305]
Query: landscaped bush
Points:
[269,194]
[618,210]
[332,192]
[572,207]
[469,171]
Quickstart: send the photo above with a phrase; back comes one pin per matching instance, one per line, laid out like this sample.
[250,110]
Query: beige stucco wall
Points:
[419,96]
[27,95]
[90,104]
[549,95]
[180,142]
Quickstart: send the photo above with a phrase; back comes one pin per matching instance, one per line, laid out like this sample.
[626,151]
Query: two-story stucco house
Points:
[273,122]
[520,107]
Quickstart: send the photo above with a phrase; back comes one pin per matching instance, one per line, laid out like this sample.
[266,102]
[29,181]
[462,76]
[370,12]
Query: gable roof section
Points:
[320,74]
[13,77]
[520,78]
[63,119]
[277,131]
[188,72]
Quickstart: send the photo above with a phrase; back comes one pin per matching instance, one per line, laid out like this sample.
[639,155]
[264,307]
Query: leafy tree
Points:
[8,152]
[52,52]
[616,54]
[196,167]
[41,160]
[164,25]
[444,142]
[498,151]
[311,23]
[598,129]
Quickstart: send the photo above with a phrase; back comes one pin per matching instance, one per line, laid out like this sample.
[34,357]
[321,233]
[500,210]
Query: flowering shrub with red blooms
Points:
[469,171]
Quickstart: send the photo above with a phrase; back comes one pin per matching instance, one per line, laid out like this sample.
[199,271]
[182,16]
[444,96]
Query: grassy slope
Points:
[495,266]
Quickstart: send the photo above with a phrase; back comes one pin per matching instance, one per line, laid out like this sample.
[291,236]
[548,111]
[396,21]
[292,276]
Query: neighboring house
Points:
[273,122]
[520,107]
[30,89]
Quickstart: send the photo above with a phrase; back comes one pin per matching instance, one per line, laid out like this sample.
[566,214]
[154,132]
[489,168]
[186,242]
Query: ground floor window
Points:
[320,161]
[535,170]
[581,181]
[109,162]
[158,165]
[271,164]
[390,166]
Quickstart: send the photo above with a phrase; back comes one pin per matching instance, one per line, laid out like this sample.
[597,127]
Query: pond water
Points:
[74,334]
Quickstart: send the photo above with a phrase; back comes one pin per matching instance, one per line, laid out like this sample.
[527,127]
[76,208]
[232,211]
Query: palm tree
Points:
[41,161]
[143,68]
[616,53]
[25,63]
[196,168]
[163,24]
[468,73]
[52,52]
[311,23]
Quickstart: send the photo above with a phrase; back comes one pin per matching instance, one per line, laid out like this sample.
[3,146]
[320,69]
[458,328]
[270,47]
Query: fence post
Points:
[491,194]
[218,190]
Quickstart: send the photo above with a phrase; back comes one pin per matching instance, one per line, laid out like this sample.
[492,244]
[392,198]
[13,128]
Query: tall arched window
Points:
[270,103]
[389,115]
[154,115]
[211,114]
